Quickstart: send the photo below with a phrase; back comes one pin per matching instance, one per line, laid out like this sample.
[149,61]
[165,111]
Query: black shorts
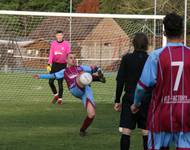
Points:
[57,67]
[130,120]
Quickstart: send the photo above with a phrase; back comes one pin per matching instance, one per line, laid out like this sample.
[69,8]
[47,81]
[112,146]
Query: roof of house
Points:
[37,44]
[107,30]
[81,27]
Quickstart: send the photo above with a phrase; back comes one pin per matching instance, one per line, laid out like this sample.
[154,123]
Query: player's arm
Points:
[44,76]
[147,80]
[140,92]
[56,75]
[120,81]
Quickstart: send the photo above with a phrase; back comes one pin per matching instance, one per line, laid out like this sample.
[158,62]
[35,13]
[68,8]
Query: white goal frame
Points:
[87,15]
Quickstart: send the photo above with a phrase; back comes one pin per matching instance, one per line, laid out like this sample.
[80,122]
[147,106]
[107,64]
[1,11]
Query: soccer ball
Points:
[85,78]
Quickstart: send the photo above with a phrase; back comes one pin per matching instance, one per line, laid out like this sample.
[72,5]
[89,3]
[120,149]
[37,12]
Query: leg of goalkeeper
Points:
[54,90]
[60,93]
[52,86]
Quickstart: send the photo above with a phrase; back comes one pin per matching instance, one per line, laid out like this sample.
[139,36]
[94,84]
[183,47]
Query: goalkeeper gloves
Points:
[48,67]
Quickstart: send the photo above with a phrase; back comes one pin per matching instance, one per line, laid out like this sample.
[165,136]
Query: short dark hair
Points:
[173,25]
[140,42]
[71,53]
[58,31]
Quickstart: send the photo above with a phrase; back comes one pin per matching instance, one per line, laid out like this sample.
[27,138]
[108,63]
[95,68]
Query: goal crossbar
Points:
[88,15]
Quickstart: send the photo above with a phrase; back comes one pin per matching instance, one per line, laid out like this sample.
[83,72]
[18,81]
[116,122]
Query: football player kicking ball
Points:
[78,80]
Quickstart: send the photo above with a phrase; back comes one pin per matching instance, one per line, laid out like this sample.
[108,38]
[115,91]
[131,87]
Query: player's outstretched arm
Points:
[43,76]
[59,74]
[56,75]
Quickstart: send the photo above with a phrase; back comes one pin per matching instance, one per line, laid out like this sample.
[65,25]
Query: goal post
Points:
[97,39]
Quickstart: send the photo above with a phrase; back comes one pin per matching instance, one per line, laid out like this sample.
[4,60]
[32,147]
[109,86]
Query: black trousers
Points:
[55,68]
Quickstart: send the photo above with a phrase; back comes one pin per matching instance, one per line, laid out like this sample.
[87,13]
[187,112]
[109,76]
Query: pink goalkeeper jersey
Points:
[59,51]
[168,71]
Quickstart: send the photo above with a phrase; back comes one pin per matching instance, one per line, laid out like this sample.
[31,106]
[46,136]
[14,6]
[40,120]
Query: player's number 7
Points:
[180,64]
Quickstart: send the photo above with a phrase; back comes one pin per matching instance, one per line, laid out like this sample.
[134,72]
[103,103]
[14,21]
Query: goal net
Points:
[97,39]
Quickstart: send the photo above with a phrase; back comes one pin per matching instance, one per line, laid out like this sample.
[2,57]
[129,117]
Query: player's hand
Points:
[48,67]
[35,76]
[134,109]
[117,107]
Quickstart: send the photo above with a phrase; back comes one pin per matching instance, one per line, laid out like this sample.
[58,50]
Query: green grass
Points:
[43,127]
[22,87]
[29,122]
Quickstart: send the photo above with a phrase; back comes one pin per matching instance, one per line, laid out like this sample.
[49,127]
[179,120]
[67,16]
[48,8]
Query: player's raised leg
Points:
[99,76]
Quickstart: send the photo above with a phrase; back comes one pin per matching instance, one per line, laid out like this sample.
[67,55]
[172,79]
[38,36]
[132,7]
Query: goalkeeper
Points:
[59,49]
[84,92]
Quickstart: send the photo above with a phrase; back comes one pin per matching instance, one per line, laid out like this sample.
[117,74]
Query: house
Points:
[7,56]
[106,42]
[96,41]
[35,54]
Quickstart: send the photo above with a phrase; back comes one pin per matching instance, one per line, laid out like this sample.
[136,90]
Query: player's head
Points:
[59,35]
[71,59]
[140,42]
[173,25]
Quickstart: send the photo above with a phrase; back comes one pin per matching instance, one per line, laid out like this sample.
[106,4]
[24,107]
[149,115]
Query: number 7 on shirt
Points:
[180,65]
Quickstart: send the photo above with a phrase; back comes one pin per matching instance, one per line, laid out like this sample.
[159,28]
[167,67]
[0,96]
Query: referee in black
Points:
[128,75]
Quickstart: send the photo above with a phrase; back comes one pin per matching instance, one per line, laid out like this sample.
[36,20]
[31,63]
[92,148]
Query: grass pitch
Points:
[28,121]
